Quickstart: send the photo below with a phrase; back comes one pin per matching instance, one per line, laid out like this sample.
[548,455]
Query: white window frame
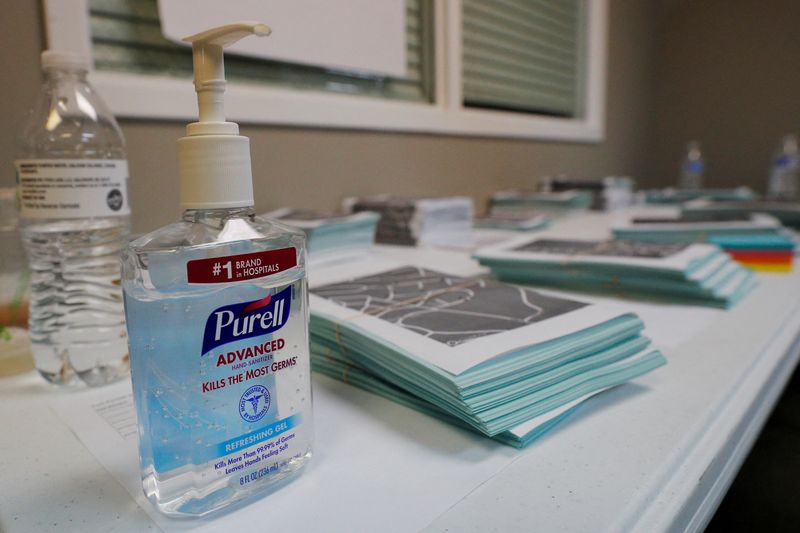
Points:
[161,97]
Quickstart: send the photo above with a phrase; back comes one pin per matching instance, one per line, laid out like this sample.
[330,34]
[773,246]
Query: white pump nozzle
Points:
[209,65]
[214,160]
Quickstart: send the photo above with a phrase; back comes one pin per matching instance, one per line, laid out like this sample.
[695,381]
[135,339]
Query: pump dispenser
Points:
[216,306]
[213,159]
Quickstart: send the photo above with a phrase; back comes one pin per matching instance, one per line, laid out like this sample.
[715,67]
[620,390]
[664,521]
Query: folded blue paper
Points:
[503,360]
[692,273]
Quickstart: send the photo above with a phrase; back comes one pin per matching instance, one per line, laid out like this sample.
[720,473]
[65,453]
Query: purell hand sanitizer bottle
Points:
[217,316]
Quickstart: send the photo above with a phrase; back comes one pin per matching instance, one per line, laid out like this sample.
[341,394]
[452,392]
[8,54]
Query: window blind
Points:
[524,55]
[127,37]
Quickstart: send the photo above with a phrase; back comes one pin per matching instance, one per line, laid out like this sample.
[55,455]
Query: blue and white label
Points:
[247,319]
[246,396]
[694,166]
[254,403]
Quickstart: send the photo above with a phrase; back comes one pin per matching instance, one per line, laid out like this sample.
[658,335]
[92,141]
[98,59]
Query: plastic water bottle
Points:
[785,172]
[72,177]
[693,167]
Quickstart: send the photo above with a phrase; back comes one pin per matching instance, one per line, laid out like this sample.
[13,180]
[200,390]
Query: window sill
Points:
[156,97]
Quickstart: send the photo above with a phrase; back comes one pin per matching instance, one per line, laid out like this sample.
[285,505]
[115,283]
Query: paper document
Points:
[352,444]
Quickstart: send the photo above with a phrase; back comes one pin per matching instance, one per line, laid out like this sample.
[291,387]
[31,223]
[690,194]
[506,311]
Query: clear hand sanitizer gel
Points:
[218,322]
[74,219]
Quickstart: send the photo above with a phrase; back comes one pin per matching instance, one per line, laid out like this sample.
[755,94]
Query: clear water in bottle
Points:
[72,177]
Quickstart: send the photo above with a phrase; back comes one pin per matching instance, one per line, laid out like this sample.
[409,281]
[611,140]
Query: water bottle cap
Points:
[57,59]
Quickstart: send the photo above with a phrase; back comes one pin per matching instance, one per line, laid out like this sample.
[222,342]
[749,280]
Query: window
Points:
[523,56]
[127,37]
[512,68]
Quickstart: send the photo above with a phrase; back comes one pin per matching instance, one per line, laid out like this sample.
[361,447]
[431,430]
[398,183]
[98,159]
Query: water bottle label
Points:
[694,166]
[72,188]
[783,161]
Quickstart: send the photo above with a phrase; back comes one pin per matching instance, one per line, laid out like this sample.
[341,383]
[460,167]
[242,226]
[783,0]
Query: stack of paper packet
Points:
[755,240]
[418,221]
[609,193]
[333,364]
[692,273]
[331,235]
[548,203]
[505,361]
[512,221]
[787,212]
[671,195]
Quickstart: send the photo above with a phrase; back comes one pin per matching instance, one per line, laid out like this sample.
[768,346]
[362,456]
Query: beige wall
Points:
[316,168]
[22,41]
[727,72]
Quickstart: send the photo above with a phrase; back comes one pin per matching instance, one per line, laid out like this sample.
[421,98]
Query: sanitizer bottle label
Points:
[241,267]
[224,380]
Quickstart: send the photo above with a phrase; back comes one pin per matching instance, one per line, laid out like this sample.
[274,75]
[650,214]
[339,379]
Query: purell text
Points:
[247,319]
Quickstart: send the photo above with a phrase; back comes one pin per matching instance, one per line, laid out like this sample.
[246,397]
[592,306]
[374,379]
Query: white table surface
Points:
[654,455]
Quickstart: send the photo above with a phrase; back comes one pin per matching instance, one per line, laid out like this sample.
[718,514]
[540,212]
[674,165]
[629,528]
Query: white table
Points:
[654,455]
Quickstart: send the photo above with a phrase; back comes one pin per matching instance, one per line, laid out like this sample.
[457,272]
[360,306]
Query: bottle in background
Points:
[15,347]
[785,172]
[74,218]
[693,167]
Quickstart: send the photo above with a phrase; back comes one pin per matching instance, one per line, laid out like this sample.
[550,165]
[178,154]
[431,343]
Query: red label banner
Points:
[241,267]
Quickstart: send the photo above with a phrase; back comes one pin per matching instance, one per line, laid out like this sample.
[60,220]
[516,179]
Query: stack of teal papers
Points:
[549,203]
[755,240]
[506,361]
[691,273]
[672,195]
[512,221]
[688,229]
[338,366]
[331,235]
[787,212]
